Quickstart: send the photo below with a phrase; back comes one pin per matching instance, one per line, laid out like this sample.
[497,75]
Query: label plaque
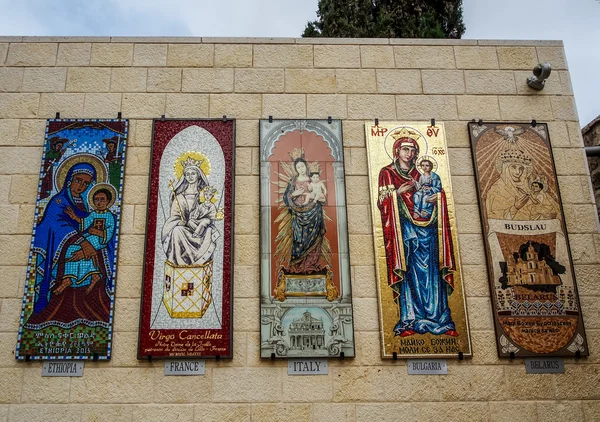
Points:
[62,369]
[427,367]
[185,367]
[544,366]
[308,367]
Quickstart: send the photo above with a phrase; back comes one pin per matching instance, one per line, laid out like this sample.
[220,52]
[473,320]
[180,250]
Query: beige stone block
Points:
[424,57]
[245,312]
[164,80]
[283,56]
[247,385]
[68,105]
[20,160]
[127,311]
[355,81]
[308,389]
[127,211]
[176,389]
[399,81]
[131,250]
[371,107]
[485,350]
[320,105]
[575,137]
[5,188]
[107,413]
[246,248]
[9,130]
[558,411]
[357,219]
[364,281]
[475,383]
[23,189]
[364,384]
[356,162]
[552,86]
[457,135]
[581,218]
[182,413]
[514,411]
[207,80]
[246,133]
[127,79]
[31,131]
[245,191]
[102,105]
[554,55]
[10,312]
[310,80]
[129,280]
[525,108]
[570,161]
[559,135]
[517,57]
[44,389]
[343,56]
[287,106]
[587,279]
[44,413]
[19,105]
[462,411]
[376,56]
[187,105]
[74,54]
[232,55]
[138,161]
[475,279]
[480,312]
[7,348]
[443,81]
[386,412]
[88,79]
[365,313]
[10,280]
[580,382]
[222,412]
[356,184]
[9,217]
[334,412]
[259,80]
[470,57]
[359,255]
[32,54]
[11,79]
[532,386]
[591,410]
[478,107]
[142,134]
[113,385]
[3,52]
[12,380]
[461,163]
[421,107]
[490,82]
[150,55]
[190,55]
[273,412]
[472,249]
[243,165]
[565,82]
[590,308]
[25,223]
[354,132]
[246,278]
[468,219]
[112,54]
[563,108]
[583,250]
[143,105]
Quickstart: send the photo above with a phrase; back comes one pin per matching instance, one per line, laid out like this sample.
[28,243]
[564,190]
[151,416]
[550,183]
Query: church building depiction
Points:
[307,333]
[531,271]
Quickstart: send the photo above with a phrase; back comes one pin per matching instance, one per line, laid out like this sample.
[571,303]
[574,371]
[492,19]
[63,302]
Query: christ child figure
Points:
[428,185]
[204,213]
[316,187]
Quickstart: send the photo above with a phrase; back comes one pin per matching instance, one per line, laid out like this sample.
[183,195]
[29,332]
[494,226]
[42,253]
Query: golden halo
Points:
[198,156]
[422,141]
[66,165]
[434,164]
[99,186]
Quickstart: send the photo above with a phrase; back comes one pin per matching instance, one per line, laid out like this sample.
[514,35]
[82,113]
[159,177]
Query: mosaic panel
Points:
[532,283]
[422,306]
[187,290]
[306,297]
[70,283]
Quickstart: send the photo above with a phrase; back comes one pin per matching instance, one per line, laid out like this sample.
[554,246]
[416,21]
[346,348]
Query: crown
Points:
[190,162]
[314,168]
[515,156]
[296,153]
[405,133]
[210,189]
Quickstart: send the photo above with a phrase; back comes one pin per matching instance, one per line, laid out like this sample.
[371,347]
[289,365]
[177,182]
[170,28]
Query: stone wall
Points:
[354,80]
[591,138]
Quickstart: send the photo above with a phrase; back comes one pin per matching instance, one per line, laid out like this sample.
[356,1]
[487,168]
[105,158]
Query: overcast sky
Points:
[576,22]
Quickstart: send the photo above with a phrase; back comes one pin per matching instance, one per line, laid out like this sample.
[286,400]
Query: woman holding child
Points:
[418,242]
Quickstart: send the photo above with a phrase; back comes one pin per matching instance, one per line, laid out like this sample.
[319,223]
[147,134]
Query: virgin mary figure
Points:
[183,243]
[419,252]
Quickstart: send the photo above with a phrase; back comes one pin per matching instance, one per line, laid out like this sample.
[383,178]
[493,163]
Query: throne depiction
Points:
[187,291]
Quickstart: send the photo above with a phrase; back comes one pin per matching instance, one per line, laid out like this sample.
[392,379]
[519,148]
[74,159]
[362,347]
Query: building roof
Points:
[590,125]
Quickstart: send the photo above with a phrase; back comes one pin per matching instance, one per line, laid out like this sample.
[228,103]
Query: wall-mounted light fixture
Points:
[540,73]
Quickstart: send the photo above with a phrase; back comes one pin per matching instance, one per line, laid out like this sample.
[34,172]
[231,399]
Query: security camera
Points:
[540,73]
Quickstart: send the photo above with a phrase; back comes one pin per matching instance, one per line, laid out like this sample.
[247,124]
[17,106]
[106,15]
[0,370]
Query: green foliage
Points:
[387,19]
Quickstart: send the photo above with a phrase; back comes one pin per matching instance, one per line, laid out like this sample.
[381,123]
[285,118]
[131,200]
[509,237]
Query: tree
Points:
[387,19]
